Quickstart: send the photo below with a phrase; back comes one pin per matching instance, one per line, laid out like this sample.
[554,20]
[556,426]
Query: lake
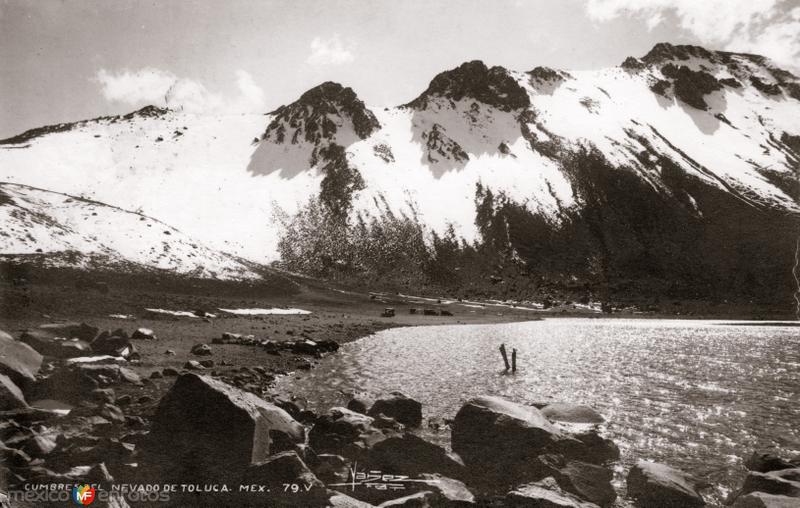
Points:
[697,395]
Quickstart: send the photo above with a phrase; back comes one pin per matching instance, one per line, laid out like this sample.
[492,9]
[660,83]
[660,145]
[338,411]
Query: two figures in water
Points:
[513,366]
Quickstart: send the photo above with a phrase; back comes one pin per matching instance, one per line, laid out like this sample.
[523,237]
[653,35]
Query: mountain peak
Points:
[330,90]
[493,86]
[149,111]
[664,51]
[318,114]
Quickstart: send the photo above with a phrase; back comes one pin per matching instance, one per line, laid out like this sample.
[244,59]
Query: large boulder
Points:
[587,481]
[332,468]
[502,439]
[400,407]
[339,429]
[359,405]
[207,426]
[18,360]
[115,344]
[80,331]
[783,482]
[411,455]
[75,383]
[763,500]
[764,461]
[10,395]
[50,343]
[589,446]
[655,485]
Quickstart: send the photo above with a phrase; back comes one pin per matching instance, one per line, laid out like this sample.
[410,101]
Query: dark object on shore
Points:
[446,313]
[655,485]
[784,482]
[359,405]
[10,395]
[514,360]
[505,355]
[429,312]
[311,347]
[588,481]
[201,350]
[72,384]
[61,340]
[764,500]
[193,365]
[412,310]
[80,331]
[388,312]
[19,361]
[773,481]
[49,344]
[500,440]
[399,406]
[766,461]
[114,343]
[412,455]
[143,334]
[204,426]
[337,430]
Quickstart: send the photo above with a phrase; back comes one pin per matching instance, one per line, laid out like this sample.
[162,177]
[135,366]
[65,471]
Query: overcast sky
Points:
[65,60]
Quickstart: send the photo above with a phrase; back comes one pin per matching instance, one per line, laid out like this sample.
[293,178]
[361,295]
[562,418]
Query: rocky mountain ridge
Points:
[678,163]
[61,230]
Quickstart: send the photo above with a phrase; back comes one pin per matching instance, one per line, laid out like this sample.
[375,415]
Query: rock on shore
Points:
[772,482]
[205,425]
[501,436]
[660,486]
[400,407]
[18,361]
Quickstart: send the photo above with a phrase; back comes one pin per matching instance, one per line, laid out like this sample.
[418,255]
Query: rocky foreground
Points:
[71,414]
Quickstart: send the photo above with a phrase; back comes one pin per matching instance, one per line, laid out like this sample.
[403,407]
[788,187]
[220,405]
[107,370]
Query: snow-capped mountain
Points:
[65,230]
[707,140]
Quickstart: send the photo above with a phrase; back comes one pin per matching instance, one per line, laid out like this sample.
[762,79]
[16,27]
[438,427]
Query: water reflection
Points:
[698,395]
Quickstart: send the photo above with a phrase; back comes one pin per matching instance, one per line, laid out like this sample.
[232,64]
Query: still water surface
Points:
[698,395]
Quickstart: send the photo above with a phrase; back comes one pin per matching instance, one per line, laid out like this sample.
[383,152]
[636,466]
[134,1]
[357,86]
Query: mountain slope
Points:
[681,164]
[70,231]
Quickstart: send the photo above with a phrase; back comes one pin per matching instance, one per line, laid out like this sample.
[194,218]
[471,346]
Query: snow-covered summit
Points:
[695,127]
[299,135]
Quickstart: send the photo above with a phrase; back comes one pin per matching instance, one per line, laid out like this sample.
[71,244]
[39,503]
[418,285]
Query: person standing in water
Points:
[505,355]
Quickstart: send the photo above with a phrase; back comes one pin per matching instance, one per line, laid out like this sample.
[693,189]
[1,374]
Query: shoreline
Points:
[267,365]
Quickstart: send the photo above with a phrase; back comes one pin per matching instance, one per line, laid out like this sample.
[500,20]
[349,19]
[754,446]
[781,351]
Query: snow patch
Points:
[180,313]
[265,312]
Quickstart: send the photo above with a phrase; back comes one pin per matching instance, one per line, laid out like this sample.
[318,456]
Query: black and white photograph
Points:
[400,253]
